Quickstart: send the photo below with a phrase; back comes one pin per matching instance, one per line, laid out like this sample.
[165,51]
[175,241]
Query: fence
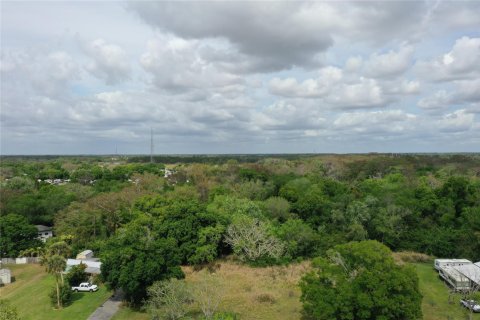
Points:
[23,260]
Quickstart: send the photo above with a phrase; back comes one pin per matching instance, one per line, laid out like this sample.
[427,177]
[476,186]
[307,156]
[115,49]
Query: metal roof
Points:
[471,271]
[454,274]
[42,228]
[453,261]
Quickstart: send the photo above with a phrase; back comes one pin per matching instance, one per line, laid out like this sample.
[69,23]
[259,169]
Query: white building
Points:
[471,272]
[441,263]
[460,274]
[5,276]
[44,232]
[454,279]
[93,266]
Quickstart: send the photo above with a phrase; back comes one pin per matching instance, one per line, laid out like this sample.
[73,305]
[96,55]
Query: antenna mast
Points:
[151,145]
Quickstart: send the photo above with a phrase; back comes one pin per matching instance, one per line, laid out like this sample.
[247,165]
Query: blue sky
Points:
[240,77]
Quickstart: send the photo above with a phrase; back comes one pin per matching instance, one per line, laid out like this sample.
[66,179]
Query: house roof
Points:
[85,252]
[42,228]
[455,274]
[92,266]
[453,261]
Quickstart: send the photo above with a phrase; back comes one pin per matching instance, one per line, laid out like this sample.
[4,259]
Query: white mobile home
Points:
[471,272]
[441,263]
[454,278]
[93,267]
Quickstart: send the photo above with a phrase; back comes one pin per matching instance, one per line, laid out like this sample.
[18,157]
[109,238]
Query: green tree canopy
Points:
[16,235]
[137,257]
[360,280]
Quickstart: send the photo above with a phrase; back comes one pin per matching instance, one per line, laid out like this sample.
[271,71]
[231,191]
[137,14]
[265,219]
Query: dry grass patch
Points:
[403,257]
[257,293]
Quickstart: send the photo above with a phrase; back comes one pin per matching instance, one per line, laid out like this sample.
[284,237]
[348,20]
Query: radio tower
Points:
[151,145]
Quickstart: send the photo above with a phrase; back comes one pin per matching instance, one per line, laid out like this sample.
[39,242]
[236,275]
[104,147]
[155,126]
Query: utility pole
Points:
[151,145]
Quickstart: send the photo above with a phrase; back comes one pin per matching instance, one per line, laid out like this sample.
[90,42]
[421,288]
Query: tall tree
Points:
[16,235]
[55,265]
[360,280]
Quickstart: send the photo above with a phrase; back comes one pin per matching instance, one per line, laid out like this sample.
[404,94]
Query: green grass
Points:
[29,294]
[126,313]
[435,304]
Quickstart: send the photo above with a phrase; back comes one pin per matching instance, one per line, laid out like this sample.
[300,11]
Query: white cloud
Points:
[462,62]
[389,121]
[310,88]
[390,64]
[366,93]
[179,65]
[438,101]
[109,61]
[457,121]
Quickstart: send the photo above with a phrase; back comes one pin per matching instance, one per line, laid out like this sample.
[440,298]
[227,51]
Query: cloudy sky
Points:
[240,77]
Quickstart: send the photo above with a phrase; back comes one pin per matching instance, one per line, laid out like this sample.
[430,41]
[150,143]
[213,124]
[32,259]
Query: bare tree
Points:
[208,293]
[168,299]
[251,239]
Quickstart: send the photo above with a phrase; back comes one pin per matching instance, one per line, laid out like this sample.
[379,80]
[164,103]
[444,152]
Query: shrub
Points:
[266,298]
[77,275]
[168,299]
[65,295]
[8,312]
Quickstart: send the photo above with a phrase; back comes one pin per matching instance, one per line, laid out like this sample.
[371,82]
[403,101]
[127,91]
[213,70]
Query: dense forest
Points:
[146,219]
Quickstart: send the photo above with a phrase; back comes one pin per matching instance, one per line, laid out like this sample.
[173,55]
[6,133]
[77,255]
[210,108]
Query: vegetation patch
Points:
[29,294]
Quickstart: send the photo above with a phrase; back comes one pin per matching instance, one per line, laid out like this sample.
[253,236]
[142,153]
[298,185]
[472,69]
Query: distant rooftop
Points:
[42,228]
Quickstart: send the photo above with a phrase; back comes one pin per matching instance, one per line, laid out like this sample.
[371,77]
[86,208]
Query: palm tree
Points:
[55,265]
[60,248]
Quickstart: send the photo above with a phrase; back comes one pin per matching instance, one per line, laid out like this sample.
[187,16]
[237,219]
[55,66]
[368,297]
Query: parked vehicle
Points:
[85,286]
[470,304]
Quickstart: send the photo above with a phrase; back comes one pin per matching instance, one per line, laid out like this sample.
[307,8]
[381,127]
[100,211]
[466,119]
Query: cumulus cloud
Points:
[46,73]
[376,121]
[333,89]
[390,64]
[457,121]
[438,101]
[462,62]
[310,88]
[283,115]
[179,65]
[108,61]
[280,35]
[240,77]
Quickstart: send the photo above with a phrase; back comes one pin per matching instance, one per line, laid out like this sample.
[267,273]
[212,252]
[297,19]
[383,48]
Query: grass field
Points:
[29,294]
[242,289]
[253,293]
[435,304]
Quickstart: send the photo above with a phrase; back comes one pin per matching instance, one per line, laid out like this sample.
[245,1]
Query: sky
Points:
[239,77]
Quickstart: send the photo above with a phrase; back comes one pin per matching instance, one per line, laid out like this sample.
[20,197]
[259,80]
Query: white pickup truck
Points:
[85,286]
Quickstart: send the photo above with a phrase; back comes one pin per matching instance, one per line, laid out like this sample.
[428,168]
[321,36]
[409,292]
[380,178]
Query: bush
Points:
[266,298]
[8,312]
[77,275]
[360,280]
[65,296]
[168,299]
